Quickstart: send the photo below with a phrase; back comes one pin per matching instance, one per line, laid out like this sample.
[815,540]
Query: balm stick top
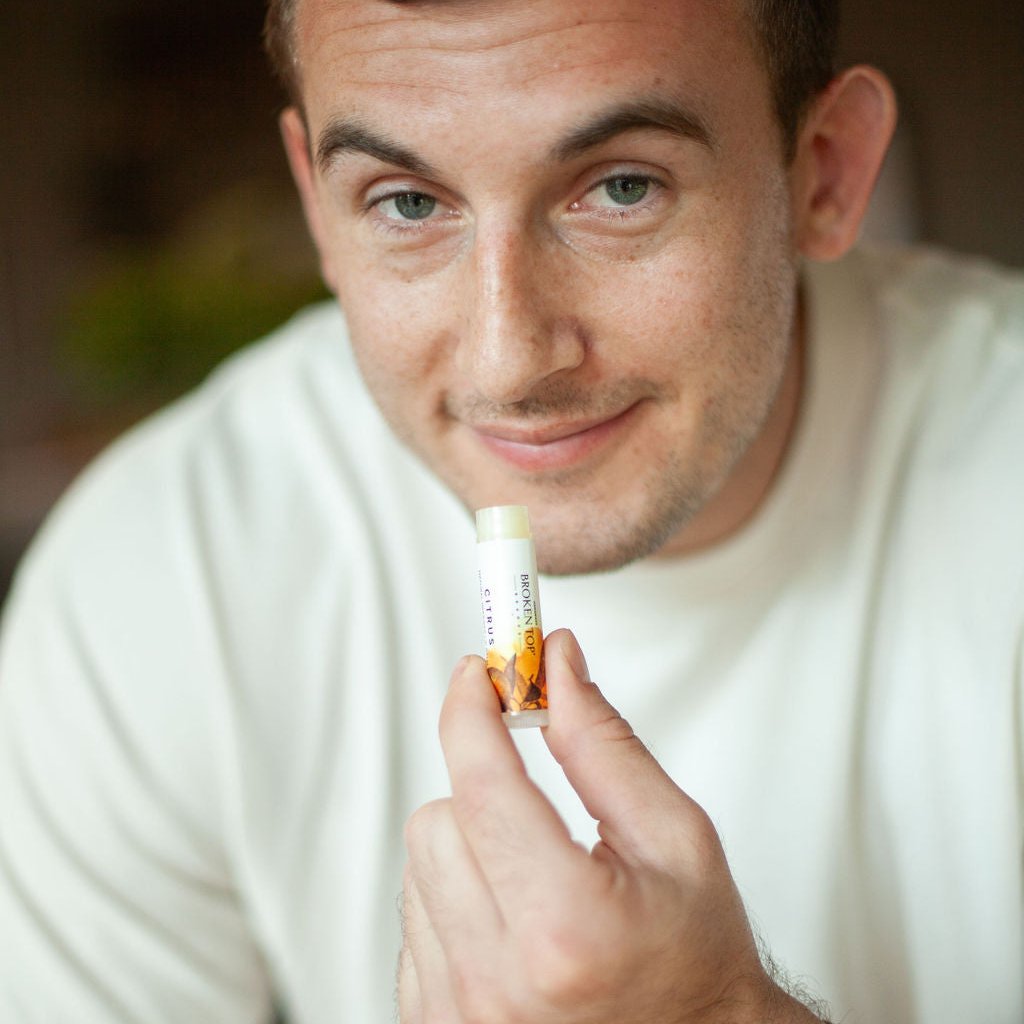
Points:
[503,522]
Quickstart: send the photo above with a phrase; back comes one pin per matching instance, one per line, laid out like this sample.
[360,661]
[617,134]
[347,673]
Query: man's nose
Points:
[520,328]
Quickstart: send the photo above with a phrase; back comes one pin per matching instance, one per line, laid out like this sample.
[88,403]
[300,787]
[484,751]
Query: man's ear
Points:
[296,146]
[840,150]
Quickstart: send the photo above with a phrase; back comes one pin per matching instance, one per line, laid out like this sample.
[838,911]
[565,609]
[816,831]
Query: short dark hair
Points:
[797,39]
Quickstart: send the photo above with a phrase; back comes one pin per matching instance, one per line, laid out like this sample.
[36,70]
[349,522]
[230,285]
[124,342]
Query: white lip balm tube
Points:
[510,603]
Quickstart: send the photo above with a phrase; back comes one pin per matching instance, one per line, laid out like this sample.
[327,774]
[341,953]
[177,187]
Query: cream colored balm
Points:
[510,603]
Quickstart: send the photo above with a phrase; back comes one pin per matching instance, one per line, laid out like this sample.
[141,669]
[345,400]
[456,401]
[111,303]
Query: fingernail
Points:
[460,667]
[573,654]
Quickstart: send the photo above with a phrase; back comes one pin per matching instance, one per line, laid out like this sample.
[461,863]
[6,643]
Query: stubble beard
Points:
[602,541]
[581,535]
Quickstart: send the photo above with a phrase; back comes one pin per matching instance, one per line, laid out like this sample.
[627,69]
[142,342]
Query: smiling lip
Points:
[555,447]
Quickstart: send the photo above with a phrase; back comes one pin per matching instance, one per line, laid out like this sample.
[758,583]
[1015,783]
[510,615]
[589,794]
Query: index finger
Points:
[518,838]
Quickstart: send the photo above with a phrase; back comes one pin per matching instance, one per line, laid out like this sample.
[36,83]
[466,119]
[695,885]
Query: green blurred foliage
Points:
[150,323]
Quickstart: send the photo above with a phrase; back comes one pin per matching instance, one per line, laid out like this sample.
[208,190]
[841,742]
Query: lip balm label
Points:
[512,626]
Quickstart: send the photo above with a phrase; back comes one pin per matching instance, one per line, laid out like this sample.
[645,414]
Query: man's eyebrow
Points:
[665,115]
[347,136]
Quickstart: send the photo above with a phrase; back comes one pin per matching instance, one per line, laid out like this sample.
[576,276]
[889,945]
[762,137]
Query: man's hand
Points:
[508,921]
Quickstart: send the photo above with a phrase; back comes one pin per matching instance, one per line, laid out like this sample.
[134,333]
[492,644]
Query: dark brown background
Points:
[134,131]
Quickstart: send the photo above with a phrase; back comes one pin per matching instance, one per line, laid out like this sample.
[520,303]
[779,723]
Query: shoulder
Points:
[930,348]
[227,495]
[225,450]
[951,331]
[279,464]
[962,315]
[923,276]
[948,332]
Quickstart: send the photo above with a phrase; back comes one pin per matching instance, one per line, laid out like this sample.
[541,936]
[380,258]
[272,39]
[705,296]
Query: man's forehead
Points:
[370,27]
[456,46]
[366,28]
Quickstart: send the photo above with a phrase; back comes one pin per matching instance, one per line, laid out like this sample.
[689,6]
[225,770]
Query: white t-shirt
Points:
[223,661]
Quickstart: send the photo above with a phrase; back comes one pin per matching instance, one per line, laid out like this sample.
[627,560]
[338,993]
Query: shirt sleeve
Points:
[118,896]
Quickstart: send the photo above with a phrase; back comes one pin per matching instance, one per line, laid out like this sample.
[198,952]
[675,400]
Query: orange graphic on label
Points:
[518,676]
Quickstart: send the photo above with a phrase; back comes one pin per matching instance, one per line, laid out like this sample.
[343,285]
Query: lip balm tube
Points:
[510,603]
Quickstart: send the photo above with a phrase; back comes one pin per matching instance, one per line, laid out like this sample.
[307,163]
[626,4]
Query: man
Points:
[593,258]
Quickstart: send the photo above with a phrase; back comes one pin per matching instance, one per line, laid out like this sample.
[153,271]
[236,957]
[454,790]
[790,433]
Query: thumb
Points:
[640,811]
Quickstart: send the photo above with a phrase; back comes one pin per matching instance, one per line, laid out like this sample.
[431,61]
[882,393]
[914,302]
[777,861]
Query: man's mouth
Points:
[556,445]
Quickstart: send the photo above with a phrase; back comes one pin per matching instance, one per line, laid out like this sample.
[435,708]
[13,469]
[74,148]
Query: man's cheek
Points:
[389,333]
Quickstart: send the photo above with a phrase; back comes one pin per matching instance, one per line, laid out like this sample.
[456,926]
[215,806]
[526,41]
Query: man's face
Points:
[560,234]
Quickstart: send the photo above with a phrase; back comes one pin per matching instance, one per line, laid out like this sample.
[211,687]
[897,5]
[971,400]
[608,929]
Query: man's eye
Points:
[408,206]
[622,190]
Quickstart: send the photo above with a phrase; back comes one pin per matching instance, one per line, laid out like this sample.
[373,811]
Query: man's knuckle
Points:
[610,729]
[705,846]
[422,822]
[473,801]
[613,728]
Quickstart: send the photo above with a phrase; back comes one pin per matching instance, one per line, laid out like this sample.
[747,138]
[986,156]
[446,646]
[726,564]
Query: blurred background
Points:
[148,224]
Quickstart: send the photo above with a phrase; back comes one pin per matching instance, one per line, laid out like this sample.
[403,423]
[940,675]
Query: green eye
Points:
[626,190]
[414,205]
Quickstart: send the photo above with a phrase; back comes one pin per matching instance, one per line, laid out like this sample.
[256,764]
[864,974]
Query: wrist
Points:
[787,1009]
[762,1000]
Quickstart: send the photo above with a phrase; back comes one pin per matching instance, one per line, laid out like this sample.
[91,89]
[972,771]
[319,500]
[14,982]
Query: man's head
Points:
[566,237]
[796,38]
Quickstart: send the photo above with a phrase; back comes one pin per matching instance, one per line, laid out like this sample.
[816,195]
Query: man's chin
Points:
[583,525]
[556,559]
[602,541]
